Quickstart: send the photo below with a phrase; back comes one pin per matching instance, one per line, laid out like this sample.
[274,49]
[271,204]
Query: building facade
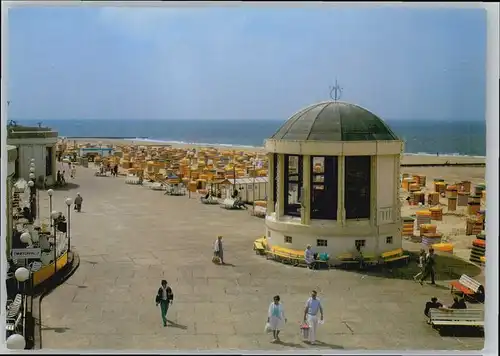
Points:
[334,182]
[11,170]
[37,143]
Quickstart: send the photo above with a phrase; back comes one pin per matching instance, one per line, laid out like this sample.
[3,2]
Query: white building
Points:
[38,143]
[11,170]
[333,173]
[250,189]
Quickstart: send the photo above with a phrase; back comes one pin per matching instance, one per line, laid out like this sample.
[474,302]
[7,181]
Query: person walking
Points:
[73,171]
[219,249]
[78,202]
[312,307]
[429,267]
[276,317]
[164,298]
[421,264]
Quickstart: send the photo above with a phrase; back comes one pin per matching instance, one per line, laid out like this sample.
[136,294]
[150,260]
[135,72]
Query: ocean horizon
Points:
[460,138]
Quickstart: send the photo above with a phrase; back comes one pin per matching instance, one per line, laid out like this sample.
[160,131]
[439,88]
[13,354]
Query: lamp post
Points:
[190,155]
[24,275]
[34,190]
[50,192]
[253,161]
[68,232]
[100,147]
[54,215]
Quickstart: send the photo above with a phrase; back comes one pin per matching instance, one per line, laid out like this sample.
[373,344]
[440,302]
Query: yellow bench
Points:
[351,258]
[286,255]
[260,246]
[394,255]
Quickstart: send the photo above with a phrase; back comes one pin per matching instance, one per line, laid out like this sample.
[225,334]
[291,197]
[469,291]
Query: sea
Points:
[463,138]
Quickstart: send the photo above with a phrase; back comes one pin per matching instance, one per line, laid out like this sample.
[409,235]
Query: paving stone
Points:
[129,238]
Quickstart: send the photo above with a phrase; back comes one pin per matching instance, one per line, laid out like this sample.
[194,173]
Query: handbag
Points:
[267,328]
[304,330]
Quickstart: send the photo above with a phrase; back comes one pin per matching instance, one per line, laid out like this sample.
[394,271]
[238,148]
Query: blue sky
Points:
[244,63]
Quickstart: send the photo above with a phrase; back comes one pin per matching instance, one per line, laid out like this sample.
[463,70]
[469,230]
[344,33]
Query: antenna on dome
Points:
[336,91]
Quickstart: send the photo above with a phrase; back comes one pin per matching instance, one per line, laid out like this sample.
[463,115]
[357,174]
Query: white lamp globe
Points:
[32,164]
[54,215]
[16,342]
[32,175]
[25,237]
[22,274]
[32,160]
[32,169]
[31,183]
[50,192]
[68,201]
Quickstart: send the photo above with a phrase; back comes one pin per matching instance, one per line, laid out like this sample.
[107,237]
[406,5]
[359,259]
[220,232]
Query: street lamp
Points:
[55,215]
[50,192]
[25,237]
[35,208]
[68,233]
[253,160]
[22,275]
[100,147]
[16,342]
[190,155]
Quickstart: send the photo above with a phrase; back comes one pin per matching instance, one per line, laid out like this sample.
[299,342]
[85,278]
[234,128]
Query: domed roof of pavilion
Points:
[334,121]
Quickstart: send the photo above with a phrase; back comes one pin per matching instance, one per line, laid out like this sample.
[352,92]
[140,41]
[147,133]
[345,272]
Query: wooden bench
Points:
[394,255]
[14,315]
[348,258]
[468,286]
[456,317]
[293,257]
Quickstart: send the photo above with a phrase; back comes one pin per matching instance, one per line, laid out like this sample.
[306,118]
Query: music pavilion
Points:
[334,182]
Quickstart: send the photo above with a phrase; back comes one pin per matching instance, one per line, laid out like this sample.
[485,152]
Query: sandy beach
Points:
[407,158]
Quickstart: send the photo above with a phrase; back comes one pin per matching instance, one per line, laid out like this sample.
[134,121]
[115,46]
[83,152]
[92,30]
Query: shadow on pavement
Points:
[175,325]
[67,187]
[290,344]
[325,345]
[55,329]
[461,331]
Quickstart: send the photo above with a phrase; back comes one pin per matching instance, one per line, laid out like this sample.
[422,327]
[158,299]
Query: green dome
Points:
[334,121]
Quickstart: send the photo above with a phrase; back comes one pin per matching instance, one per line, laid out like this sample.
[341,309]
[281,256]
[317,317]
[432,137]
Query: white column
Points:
[305,210]
[280,172]
[270,184]
[341,191]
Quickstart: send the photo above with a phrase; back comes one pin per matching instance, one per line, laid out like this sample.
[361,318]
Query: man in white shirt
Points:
[312,307]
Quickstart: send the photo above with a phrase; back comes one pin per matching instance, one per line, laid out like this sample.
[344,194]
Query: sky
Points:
[244,63]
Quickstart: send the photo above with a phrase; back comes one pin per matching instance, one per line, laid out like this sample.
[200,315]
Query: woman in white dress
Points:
[276,317]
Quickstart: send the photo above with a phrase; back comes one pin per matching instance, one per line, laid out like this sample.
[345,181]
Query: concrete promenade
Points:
[129,238]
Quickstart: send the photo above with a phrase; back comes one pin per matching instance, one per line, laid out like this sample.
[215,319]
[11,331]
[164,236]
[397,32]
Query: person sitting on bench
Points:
[433,304]
[458,303]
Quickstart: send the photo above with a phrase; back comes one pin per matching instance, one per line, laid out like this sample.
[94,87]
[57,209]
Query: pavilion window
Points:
[357,187]
[293,184]
[324,187]
[275,178]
